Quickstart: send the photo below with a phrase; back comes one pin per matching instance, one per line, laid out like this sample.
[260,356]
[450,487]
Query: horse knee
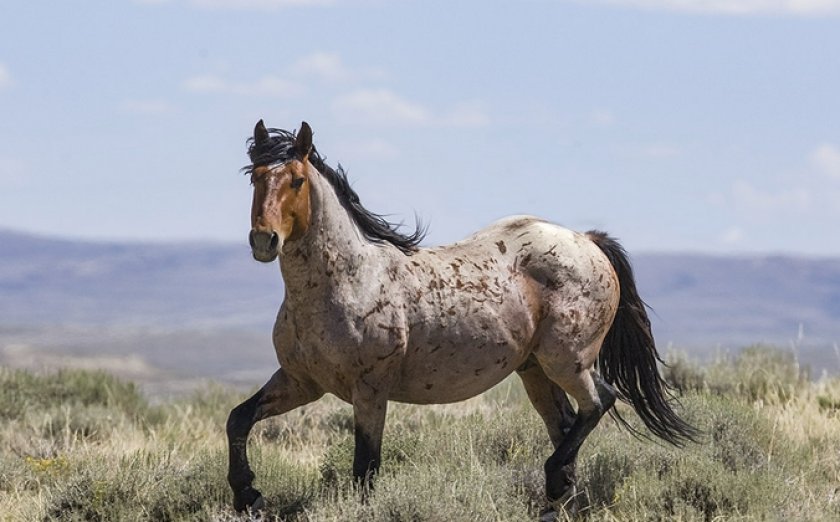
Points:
[235,422]
[241,418]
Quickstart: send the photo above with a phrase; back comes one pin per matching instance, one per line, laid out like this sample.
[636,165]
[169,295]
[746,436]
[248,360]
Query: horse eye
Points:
[296,183]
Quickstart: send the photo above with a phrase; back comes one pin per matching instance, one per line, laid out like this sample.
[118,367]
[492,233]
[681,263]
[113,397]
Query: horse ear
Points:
[260,133]
[303,140]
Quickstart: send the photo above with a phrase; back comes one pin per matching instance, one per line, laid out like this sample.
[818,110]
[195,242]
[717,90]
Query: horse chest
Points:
[334,344]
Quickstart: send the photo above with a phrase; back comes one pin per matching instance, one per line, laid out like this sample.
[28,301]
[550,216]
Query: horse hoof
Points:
[248,499]
[259,504]
[563,508]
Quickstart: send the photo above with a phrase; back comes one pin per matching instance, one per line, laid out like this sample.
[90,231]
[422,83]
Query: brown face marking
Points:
[281,200]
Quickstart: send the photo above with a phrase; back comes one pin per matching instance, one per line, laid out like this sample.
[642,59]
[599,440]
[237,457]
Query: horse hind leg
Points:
[553,405]
[550,401]
[594,397]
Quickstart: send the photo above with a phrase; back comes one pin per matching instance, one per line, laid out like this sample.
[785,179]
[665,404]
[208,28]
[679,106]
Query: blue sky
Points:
[709,126]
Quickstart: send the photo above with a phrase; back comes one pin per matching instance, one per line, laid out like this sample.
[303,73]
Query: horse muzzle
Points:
[265,245]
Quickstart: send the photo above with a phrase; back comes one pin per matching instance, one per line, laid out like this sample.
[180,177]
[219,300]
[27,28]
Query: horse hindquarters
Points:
[577,317]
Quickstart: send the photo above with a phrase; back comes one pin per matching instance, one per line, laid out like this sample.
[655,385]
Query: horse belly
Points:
[454,364]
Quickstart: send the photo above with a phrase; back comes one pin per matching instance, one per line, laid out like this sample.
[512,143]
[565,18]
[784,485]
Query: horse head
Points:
[280,211]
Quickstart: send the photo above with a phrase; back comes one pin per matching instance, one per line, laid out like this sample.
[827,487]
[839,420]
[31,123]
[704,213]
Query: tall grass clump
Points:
[87,446]
[757,373]
[22,391]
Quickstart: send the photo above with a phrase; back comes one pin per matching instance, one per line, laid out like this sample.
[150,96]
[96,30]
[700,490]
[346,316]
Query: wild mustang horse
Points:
[371,317]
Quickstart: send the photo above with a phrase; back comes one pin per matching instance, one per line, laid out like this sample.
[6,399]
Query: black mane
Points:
[280,148]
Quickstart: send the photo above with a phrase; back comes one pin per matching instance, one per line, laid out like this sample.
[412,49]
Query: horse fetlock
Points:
[560,483]
[562,509]
[248,498]
[365,480]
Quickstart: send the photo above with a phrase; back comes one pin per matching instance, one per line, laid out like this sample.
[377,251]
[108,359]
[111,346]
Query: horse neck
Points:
[329,255]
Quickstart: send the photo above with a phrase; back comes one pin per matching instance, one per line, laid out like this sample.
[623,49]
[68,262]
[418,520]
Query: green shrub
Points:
[86,446]
[757,373]
[161,486]
[21,391]
[743,467]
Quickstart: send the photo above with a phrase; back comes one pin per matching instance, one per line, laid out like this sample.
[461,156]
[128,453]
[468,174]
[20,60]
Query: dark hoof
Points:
[248,498]
[563,508]
[259,504]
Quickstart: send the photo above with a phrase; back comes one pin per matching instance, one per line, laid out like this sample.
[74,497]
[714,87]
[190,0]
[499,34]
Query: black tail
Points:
[628,358]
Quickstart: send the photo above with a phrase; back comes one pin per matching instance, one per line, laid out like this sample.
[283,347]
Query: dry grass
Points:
[84,446]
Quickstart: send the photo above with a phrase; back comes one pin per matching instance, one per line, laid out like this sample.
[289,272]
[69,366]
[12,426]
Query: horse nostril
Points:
[275,239]
[251,239]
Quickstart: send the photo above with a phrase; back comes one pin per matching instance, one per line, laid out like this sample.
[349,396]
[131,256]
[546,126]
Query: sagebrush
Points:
[86,446]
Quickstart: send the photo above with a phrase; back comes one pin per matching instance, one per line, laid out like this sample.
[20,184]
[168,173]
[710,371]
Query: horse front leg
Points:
[280,394]
[370,405]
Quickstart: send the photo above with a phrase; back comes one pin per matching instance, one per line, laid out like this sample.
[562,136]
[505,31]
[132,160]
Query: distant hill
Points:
[708,303]
[742,299]
[54,281]
[207,309]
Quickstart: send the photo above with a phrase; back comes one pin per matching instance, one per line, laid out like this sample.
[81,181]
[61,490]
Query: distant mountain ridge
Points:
[741,300]
[700,302]
[57,281]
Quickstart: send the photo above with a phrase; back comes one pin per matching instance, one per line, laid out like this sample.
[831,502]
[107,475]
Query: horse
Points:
[371,317]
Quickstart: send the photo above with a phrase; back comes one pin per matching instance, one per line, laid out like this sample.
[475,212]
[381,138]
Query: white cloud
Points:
[385,107]
[381,106]
[737,7]
[658,151]
[732,235]
[5,77]
[329,67]
[265,86]
[753,199]
[654,151]
[826,159]
[206,83]
[373,147]
[146,107]
[13,172]
[258,4]
[325,66]
[601,118]
[467,114]
[244,5]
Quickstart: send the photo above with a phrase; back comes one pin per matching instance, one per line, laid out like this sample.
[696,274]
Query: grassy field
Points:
[85,446]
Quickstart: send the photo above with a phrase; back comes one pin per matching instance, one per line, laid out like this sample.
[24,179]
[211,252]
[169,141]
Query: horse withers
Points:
[371,317]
